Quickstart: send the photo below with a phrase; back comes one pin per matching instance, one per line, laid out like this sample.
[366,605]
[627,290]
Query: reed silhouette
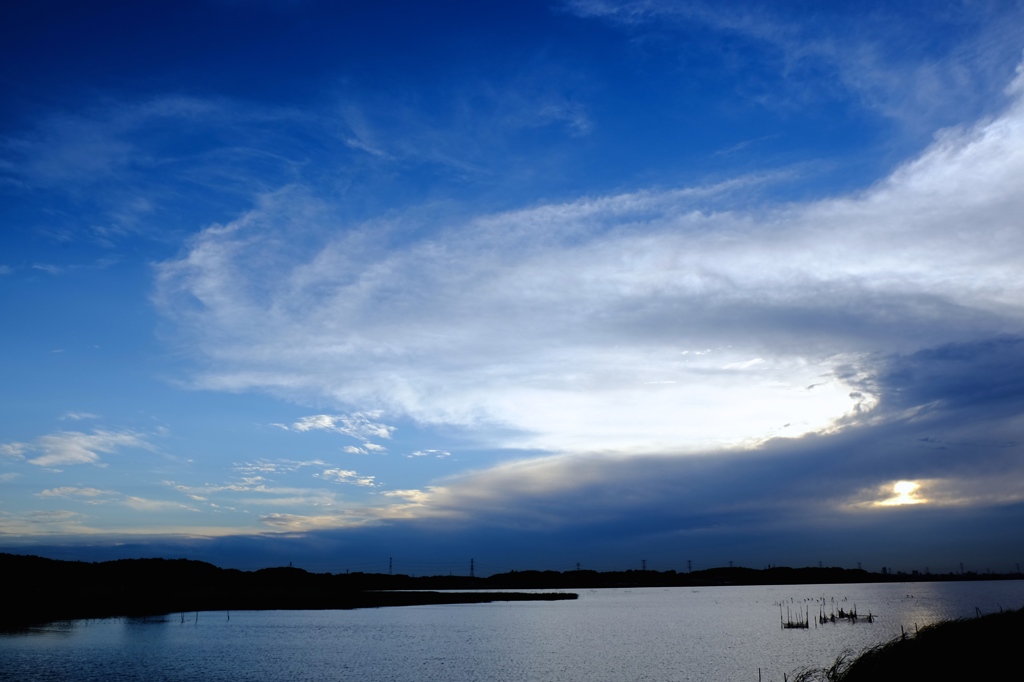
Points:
[980,648]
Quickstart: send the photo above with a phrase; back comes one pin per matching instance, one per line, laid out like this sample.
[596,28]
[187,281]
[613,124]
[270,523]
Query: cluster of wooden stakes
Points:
[803,620]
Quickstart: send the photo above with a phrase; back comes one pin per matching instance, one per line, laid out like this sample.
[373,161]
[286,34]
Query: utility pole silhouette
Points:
[578,567]
[689,565]
[471,568]
[643,564]
[389,565]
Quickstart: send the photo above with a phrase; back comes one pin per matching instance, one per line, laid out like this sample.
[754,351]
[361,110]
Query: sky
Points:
[537,284]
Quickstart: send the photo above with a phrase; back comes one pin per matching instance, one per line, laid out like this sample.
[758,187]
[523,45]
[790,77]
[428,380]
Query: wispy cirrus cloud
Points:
[97,496]
[149,505]
[43,522]
[278,483]
[302,523]
[48,268]
[239,495]
[111,163]
[839,52]
[78,416]
[114,164]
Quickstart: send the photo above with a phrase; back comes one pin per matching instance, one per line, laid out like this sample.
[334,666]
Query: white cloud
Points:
[586,326]
[98,496]
[358,425]
[440,454]
[15,450]
[79,416]
[74,447]
[254,470]
[36,523]
[301,523]
[261,491]
[414,496]
[148,505]
[69,491]
[346,476]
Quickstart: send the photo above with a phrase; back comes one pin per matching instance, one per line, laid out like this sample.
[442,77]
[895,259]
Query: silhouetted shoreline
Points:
[47,590]
[984,648]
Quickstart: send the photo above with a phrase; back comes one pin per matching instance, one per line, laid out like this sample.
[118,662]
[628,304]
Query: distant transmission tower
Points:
[471,568]
[389,565]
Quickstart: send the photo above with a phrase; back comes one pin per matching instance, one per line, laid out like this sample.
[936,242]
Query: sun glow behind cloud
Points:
[904,492]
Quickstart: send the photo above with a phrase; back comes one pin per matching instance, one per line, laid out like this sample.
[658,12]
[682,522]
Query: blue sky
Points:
[533,283]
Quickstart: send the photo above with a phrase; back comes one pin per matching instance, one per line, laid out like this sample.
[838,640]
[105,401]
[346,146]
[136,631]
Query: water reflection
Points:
[607,635]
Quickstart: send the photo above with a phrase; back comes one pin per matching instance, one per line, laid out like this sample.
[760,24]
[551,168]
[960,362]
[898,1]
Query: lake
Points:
[706,634]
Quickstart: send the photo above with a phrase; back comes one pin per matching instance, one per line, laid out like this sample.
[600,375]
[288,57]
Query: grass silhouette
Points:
[983,648]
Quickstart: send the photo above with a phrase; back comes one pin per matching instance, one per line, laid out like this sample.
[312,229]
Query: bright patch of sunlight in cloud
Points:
[904,492]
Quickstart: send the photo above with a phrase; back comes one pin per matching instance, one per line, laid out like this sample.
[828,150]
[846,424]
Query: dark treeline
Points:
[44,590]
[777,575]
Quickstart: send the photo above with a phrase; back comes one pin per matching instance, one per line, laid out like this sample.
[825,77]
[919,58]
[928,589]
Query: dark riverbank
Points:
[45,590]
[985,648]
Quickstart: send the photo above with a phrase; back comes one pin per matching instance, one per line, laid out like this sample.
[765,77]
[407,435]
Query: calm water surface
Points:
[667,634]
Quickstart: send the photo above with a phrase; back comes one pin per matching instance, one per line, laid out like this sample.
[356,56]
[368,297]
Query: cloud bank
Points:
[653,321]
